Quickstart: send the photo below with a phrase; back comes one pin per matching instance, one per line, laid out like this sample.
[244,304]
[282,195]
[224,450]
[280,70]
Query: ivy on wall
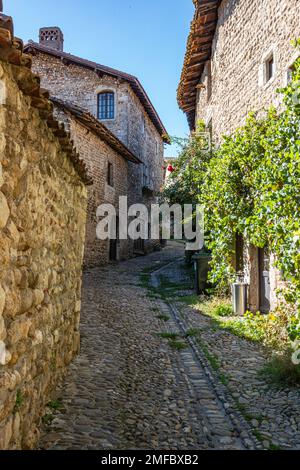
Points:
[251,185]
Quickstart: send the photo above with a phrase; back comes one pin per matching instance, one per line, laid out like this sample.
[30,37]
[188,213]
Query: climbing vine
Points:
[189,173]
[253,188]
[250,185]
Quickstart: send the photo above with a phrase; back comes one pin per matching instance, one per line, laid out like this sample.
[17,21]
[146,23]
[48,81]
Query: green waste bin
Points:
[202,268]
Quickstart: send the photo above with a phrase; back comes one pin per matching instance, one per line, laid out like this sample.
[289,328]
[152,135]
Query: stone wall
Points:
[97,154]
[42,227]
[248,33]
[131,125]
[81,86]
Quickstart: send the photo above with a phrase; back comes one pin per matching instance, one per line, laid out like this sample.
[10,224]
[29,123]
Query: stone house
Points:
[107,159]
[119,102]
[43,200]
[238,54]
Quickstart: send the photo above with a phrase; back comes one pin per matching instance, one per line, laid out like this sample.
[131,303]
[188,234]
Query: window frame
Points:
[265,78]
[289,74]
[291,69]
[269,68]
[109,107]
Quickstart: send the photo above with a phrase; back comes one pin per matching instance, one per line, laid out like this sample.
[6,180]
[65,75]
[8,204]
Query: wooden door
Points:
[113,244]
[112,250]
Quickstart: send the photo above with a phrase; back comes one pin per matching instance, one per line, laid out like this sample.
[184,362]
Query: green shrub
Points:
[179,345]
[281,371]
[223,310]
[19,401]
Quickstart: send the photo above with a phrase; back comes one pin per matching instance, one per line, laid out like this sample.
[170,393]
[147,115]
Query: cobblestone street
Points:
[131,388]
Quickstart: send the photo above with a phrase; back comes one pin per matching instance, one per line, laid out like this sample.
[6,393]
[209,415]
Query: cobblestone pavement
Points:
[272,413]
[130,388]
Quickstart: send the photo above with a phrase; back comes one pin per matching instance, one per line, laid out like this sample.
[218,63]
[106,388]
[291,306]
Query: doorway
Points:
[264,280]
[113,244]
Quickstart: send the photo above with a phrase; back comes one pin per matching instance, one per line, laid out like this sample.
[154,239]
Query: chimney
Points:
[52,37]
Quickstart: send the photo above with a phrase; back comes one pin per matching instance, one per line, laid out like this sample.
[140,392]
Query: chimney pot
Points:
[52,37]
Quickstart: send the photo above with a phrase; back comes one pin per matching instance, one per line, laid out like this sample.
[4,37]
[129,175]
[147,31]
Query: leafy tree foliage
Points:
[251,185]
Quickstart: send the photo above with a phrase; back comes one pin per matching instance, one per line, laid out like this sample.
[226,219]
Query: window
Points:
[106,105]
[290,74]
[110,175]
[269,68]
[291,70]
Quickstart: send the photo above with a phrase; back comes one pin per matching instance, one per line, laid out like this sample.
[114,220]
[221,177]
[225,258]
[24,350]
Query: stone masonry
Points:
[95,147]
[247,33]
[130,388]
[236,68]
[136,123]
[43,200]
[91,148]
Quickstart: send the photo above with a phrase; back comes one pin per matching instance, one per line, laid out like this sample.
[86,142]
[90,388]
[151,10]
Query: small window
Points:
[106,105]
[291,70]
[290,75]
[110,175]
[269,68]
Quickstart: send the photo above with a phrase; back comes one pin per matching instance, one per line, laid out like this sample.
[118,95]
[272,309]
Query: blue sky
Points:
[146,38]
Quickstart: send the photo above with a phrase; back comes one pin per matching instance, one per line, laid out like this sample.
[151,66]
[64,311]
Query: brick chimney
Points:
[52,37]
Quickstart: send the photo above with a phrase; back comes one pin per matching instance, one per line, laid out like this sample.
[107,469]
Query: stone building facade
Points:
[107,160]
[238,54]
[43,199]
[130,115]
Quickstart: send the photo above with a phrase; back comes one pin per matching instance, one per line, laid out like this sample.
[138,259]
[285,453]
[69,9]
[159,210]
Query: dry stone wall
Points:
[43,200]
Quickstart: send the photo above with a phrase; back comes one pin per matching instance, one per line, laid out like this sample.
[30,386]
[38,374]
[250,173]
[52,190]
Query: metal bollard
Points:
[240,298]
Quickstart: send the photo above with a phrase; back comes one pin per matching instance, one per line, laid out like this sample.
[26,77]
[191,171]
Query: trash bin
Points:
[240,297]
[202,268]
[189,256]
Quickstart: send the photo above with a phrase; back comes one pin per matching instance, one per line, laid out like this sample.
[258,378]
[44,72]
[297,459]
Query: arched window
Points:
[106,105]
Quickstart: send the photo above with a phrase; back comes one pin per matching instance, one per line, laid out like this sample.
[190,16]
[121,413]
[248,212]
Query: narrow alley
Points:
[129,389]
[150,229]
